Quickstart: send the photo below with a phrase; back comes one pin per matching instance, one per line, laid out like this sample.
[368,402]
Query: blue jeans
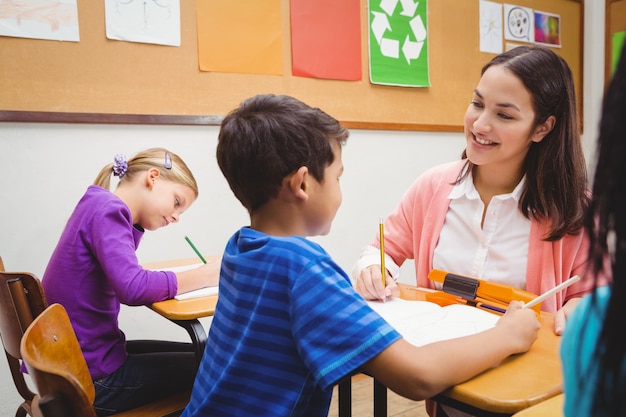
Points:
[153,369]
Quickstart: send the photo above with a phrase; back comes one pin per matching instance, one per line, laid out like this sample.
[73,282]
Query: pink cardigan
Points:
[413,228]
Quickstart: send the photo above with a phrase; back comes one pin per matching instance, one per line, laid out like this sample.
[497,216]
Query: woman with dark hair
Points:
[511,210]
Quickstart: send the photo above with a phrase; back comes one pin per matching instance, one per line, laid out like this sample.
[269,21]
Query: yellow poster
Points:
[240,36]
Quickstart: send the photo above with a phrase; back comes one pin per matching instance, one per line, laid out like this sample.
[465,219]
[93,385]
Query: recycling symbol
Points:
[389,38]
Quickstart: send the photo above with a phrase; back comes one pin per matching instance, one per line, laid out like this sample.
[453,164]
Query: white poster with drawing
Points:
[519,24]
[144,21]
[490,27]
[40,19]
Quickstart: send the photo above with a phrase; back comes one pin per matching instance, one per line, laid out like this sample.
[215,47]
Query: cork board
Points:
[615,22]
[104,81]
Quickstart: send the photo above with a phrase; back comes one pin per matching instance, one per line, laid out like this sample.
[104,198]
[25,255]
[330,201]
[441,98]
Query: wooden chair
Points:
[552,407]
[21,299]
[57,366]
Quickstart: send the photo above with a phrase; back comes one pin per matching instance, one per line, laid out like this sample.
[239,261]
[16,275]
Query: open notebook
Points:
[201,292]
[423,322]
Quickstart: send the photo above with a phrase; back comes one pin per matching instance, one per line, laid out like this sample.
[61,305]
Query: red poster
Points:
[326,39]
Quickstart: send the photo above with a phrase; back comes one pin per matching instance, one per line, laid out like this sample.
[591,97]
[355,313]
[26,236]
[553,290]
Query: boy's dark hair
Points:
[270,136]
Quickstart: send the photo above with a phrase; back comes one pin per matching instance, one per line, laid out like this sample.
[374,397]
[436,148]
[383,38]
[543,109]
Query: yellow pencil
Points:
[382,251]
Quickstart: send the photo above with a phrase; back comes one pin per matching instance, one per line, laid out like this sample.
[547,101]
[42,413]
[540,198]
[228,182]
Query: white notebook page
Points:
[423,322]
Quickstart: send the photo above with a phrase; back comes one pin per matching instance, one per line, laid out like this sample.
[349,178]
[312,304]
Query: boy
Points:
[288,324]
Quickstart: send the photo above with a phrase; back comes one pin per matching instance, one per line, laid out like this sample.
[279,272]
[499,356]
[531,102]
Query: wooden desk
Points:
[186,313]
[549,408]
[519,382]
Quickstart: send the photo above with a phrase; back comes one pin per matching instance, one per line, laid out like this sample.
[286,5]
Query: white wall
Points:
[45,168]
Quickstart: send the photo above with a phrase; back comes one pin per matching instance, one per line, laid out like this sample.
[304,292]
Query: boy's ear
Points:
[298,183]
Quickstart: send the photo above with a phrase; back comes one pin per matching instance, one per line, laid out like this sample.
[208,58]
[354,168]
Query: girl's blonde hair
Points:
[170,166]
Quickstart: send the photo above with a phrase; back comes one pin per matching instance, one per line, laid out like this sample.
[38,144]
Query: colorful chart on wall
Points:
[398,43]
[547,29]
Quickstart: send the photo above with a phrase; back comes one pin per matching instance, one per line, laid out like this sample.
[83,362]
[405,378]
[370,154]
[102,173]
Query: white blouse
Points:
[497,251]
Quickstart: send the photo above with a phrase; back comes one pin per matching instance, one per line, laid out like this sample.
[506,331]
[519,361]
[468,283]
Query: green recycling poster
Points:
[398,42]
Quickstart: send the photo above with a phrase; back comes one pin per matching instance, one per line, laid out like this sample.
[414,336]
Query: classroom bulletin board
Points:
[615,25]
[98,80]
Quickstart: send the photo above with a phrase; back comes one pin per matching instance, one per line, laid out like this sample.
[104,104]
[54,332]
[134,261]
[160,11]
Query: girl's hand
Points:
[560,317]
[210,272]
[206,275]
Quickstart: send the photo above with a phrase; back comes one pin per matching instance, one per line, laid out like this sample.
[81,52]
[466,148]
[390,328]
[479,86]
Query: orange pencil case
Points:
[479,290]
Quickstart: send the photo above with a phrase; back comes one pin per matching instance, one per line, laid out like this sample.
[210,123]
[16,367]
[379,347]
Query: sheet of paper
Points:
[181,268]
[40,19]
[155,22]
[202,292]
[490,27]
[423,322]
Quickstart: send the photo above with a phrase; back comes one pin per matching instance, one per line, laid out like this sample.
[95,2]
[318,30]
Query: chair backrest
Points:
[21,299]
[55,361]
[52,405]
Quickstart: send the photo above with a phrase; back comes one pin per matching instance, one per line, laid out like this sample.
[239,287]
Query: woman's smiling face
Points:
[500,120]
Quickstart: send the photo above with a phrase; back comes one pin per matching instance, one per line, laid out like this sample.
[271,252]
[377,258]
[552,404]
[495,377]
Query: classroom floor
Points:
[363,401]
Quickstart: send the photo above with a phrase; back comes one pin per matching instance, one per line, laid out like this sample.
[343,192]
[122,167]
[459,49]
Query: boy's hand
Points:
[523,323]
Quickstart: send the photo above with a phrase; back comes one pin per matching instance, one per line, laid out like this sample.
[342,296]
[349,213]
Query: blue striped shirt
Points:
[288,326]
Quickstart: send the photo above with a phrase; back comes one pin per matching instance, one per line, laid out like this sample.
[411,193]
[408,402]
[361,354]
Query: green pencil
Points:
[195,249]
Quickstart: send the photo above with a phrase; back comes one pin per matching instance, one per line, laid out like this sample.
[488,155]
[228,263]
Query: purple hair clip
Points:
[167,162]
[120,165]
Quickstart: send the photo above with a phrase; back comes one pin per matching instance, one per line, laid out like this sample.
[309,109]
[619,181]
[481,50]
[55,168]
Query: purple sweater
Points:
[93,269]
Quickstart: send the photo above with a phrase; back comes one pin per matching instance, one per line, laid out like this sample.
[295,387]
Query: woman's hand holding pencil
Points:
[372,282]
[370,285]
